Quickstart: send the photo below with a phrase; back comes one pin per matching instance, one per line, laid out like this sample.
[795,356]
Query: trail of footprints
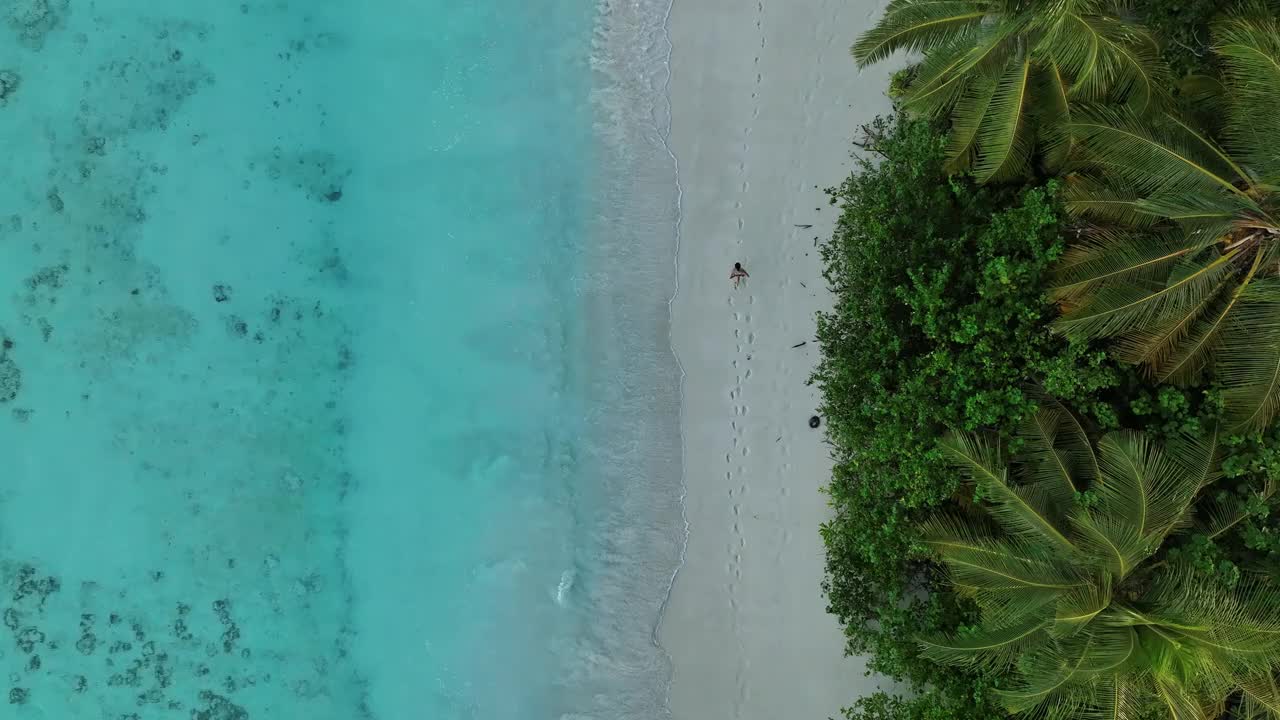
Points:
[755,113]
[735,457]
[744,338]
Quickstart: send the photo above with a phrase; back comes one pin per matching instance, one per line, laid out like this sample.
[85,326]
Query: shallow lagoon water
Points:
[321,393]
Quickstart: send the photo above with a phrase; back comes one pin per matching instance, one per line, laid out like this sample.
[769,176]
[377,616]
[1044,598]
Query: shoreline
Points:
[745,625]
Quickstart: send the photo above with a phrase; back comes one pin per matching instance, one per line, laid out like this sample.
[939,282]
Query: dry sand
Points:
[765,100]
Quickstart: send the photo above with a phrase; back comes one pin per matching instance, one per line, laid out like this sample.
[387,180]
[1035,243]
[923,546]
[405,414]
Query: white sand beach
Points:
[765,100]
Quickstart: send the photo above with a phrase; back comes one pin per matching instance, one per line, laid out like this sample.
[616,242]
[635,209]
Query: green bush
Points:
[940,322]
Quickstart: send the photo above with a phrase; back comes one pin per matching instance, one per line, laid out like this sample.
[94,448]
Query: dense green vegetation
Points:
[1107,293]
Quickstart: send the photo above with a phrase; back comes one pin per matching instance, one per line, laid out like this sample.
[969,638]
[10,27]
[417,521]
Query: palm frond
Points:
[1142,486]
[1048,672]
[1165,161]
[1056,677]
[1056,455]
[1198,456]
[1005,137]
[1118,697]
[1106,58]
[1021,512]
[985,566]
[992,648]
[916,26]
[1114,543]
[1077,608]
[1261,696]
[966,119]
[1249,362]
[1219,512]
[1101,256]
[1116,308]
[1152,344]
[1249,48]
[1098,199]
[1194,353]
[1200,142]
[1209,216]
[1177,702]
[1053,113]
[947,71]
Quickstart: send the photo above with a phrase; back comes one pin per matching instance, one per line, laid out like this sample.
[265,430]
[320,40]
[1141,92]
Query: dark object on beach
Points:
[804,227]
[221,293]
[799,344]
[334,196]
[815,421]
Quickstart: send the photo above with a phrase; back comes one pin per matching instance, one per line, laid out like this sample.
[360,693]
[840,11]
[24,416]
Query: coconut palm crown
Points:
[1009,71]
[1077,621]
[1183,271]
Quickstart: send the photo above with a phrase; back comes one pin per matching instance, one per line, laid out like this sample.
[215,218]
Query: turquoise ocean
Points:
[335,380]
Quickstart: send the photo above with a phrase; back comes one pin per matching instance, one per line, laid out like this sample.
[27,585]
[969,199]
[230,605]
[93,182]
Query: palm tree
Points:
[1075,617]
[1186,275]
[1009,71]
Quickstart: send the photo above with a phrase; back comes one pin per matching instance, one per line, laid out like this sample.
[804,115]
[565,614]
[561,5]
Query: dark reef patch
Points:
[32,20]
[9,82]
[317,173]
[10,378]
